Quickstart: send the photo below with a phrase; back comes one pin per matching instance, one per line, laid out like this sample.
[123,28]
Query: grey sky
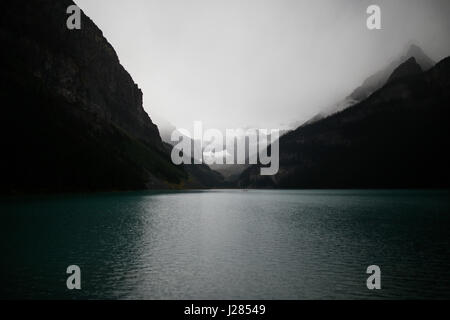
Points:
[260,63]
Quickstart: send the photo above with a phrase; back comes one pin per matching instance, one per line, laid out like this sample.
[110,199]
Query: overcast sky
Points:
[259,63]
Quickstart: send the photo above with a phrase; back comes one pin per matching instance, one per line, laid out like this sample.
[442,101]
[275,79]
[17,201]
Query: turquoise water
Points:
[226,244]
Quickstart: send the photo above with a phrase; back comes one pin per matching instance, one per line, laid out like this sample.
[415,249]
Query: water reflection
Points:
[228,244]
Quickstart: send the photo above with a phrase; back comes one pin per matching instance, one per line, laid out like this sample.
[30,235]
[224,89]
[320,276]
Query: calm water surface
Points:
[227,245]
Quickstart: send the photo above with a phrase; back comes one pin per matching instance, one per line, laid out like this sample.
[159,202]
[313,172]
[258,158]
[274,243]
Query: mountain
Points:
[72,116]
[231,172]
[406,69]
[395,138]
[376,81]
[165,128]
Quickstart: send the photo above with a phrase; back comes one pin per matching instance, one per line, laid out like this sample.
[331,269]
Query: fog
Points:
[259,63]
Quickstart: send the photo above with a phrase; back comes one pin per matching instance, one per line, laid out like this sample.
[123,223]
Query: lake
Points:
[227,244]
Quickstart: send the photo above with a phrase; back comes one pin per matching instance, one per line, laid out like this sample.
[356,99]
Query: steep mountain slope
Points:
[397,138]
[72,116]
[376,81]
[407,69]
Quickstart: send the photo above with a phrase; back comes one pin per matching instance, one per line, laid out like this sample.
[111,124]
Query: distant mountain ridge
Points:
[396,138]
[376,81]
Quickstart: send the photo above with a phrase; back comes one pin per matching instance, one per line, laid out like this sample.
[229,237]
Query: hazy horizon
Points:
[266,64]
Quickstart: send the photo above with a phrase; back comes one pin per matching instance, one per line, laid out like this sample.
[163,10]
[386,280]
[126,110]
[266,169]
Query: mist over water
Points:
[228,245]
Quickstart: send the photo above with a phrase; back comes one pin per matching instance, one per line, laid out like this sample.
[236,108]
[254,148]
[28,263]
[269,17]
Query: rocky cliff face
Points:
[72,116]
[78,65]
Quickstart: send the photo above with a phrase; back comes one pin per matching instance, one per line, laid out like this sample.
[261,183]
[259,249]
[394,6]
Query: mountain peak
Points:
[408,68]
[380,78]
[414,49]
[421,58]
